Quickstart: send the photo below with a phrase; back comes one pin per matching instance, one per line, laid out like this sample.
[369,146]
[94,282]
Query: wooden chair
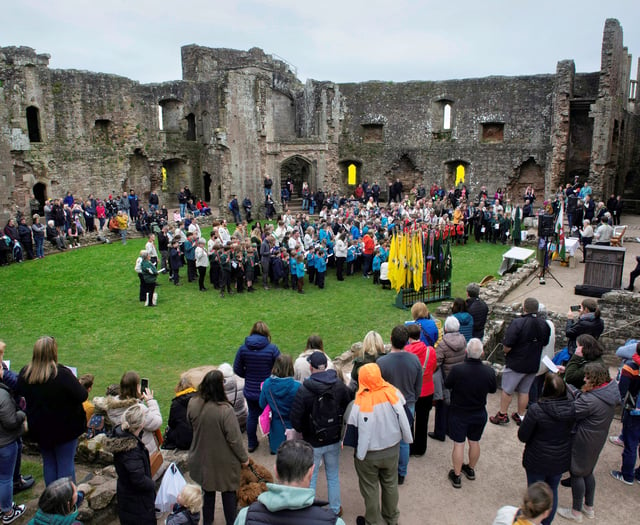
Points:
[618,236]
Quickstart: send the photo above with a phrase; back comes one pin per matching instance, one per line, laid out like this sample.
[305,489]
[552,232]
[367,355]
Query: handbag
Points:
[264,421]
[156,459]
[172,484]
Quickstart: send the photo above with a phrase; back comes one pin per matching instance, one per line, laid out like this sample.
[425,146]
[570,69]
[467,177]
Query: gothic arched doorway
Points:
[298,170]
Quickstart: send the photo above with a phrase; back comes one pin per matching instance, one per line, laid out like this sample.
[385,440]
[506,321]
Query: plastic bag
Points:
[264,421]
[172,484]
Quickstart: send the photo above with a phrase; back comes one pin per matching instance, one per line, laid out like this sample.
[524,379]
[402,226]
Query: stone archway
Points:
[457,171]
[529,173]
[178,176]
[40,193]
[405,170]
[299,170]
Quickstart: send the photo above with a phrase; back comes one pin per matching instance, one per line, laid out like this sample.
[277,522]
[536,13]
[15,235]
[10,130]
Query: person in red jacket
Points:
[367,254]
[428,360]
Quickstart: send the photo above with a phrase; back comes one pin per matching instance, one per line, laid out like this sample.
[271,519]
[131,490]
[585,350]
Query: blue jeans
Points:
[553,480]
[331,456]
[403,462]
[8,455]
[39,246]
[631,438]
[57,462]
[183,209]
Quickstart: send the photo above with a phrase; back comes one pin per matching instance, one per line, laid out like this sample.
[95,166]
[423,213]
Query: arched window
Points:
[352,172]
[33,124]
[459,174]
[446,121]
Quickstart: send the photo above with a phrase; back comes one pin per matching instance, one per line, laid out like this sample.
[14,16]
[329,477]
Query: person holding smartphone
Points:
[132,392]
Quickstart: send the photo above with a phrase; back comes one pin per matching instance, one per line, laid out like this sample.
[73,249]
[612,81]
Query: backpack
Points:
[95,426]
[326,421]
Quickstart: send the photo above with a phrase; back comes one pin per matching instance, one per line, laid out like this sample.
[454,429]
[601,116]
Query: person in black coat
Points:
[179,433]
[25,237]
[546,432]
[135,489]
[588,322]
[55,413]
[478,309]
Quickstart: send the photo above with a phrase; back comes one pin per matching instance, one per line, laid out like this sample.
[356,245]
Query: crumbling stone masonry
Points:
[237,116]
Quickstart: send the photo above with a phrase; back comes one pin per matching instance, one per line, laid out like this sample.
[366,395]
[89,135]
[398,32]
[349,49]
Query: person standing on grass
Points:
[150,247]
[202,263]
[54,409]
[123,224]
[523,342]
[470,383]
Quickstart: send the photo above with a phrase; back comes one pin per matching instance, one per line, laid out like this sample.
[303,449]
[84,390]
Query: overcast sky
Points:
[338,40]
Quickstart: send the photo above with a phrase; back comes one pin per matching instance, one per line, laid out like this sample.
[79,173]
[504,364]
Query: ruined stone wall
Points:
[238,115]
[609,110]
[413,129]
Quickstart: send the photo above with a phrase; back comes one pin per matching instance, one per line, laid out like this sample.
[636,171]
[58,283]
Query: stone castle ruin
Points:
[237,116]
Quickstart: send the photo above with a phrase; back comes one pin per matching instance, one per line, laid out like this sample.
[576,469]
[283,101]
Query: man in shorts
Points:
[523,343]
[470,383]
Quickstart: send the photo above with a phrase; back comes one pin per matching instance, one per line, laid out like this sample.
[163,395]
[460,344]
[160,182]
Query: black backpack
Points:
[326,421]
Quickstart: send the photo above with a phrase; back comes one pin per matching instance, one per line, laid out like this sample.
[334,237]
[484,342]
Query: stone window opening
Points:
[372,133]
[492,132]
[446,119]
[160,126]
[171,115]
[33,124]
[191,127]
[101,130]
[442,119]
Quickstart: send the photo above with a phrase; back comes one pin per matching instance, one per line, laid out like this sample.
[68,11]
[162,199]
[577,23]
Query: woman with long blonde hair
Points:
[54,409]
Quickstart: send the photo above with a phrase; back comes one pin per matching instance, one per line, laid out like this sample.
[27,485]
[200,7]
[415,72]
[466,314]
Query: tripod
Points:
[545,266]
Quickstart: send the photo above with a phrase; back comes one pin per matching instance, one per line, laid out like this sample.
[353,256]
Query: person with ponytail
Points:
[535,507]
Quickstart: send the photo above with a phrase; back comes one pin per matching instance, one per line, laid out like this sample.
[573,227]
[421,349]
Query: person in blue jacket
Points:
[375,266]
[299,264]
[278,392]
[320,263]
[254,362]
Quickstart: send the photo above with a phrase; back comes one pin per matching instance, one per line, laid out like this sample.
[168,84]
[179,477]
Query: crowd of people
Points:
[381,409]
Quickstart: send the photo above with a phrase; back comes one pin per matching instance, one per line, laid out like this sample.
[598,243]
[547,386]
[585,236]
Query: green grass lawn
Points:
[88,300]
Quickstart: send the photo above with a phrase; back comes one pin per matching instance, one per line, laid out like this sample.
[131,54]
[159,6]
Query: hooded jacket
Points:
[594,413]
[285,504]
[278,393]
[451,351]
[135,489]
[179,432]
[546,432]
[114,407]
[254,361]
[42,518]
[377,420]
[314,386]
[10,417]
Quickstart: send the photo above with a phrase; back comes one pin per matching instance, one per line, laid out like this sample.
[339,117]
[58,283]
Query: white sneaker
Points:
[567,514]
[616,441]
[13,514]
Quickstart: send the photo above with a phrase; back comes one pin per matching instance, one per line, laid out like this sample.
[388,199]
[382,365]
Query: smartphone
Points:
[144,384]
[575,307]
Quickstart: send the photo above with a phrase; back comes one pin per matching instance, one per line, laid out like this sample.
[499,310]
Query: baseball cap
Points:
[318,360]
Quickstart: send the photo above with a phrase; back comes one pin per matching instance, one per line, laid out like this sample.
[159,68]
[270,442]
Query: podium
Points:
[603,270]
